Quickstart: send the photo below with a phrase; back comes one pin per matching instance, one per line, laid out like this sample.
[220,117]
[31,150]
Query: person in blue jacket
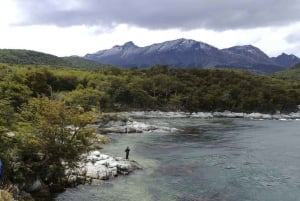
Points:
[1,169]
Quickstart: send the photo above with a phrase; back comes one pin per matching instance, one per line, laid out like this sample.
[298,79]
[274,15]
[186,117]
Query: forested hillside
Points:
[292,73]
[28,57]
[14,56]
[79,62]
[159,87]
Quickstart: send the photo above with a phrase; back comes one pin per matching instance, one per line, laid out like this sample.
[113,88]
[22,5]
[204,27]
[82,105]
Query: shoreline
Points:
[208,115]
[97,167]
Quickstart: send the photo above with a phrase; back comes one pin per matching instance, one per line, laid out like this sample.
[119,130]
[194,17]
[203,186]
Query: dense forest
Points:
[156,88]
[45,110]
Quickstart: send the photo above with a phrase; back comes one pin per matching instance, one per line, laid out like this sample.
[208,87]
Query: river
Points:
[219,159]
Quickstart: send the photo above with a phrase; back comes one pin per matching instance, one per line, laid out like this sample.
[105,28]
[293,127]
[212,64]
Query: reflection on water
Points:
[205,160]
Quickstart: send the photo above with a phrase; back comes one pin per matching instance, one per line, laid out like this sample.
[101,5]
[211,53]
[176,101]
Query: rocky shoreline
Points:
[97,167]
[124,122]
[128,126]
[209,115]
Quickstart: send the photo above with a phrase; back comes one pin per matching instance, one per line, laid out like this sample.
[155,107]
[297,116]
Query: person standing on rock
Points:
[127,150]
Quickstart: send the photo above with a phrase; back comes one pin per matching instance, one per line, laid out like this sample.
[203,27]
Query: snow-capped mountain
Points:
[249,52]
[187,53]
[179,53]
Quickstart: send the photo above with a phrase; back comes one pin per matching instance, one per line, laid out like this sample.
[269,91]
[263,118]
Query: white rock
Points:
[96,171]
[98,166]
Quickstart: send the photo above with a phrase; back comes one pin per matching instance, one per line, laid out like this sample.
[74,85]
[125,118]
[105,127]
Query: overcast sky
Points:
[77,27]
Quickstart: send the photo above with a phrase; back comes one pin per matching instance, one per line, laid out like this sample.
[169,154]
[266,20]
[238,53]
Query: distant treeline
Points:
[156,88]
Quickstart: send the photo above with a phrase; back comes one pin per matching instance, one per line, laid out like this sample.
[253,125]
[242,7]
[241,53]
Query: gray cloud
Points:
[293,37]
[162,14]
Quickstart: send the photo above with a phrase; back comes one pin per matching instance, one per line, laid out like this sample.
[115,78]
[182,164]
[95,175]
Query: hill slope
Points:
[79,62]
[14,56]
[292,73]
[29,57]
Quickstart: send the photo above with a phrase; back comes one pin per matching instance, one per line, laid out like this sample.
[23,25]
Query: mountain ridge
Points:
[189,53]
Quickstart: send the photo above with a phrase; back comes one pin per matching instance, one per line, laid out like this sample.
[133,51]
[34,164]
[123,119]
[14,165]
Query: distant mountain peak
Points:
[289,55]
[283,54]
[184,44]
[126,45]
[245,48]
[183,40]
[129,44]
[249,51]
[286,59]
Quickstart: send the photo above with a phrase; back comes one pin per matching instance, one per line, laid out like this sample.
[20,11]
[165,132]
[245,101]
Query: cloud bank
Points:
[216,15]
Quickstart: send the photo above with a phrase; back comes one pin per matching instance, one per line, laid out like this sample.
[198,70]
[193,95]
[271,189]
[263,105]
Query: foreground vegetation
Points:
[45,110]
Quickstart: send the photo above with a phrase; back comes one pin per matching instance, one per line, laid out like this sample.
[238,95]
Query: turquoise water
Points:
[205,160]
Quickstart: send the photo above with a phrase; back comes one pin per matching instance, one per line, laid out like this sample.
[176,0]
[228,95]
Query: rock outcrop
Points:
[97,167]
